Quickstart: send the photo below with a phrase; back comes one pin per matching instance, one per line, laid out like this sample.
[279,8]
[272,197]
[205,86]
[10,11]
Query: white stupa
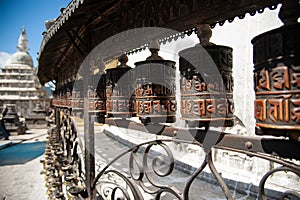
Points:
[19,84]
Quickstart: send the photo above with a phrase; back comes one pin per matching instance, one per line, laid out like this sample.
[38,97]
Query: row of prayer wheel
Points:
[206,85]
[141,91]
[149,90]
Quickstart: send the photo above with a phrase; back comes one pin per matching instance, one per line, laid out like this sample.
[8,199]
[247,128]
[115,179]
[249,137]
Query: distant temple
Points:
[20,89]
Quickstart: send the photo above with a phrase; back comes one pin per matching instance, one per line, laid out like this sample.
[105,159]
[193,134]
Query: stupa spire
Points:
[23,41]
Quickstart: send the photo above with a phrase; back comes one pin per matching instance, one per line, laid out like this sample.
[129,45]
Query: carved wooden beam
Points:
[79,38]
[67,57]
[110,21]
[75,44]
[185,14]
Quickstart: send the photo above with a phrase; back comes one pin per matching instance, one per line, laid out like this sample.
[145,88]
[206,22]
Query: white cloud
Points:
[4,58]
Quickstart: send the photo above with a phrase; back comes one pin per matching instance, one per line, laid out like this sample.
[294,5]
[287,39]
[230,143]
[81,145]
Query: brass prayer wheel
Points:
[155,89]
[206,84]
[77,98]
[277,81]
[100,104]
[68,89]
[97,97]
[119,90]
[155,99]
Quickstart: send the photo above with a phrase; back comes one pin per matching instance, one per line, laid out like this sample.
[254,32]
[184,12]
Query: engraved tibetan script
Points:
[280,77]
[119,105]
[296,110]
[262,80]
[207,107]
[277,110]
[161,107]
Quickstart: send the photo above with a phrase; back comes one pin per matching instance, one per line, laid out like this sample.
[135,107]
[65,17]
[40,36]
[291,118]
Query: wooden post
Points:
[89,143]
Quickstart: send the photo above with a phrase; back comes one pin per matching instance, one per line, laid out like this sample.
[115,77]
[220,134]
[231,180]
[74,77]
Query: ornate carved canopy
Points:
[86,23]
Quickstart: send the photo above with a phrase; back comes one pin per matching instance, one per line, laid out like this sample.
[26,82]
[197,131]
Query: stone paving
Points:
[23,181]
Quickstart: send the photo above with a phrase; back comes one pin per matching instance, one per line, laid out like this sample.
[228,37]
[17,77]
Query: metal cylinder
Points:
[77,98]
[120,91]
[96,97]
[277,81]
[206,86]
[100,104]
[155,91]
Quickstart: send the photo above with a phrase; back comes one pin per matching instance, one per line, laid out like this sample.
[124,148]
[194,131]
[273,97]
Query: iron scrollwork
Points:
[144,175]
[285,195]
[146,171]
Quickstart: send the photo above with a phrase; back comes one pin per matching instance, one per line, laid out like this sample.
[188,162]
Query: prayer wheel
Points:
[276,60]
[101,99]
[206,83]
[155,89]
[68,89]
[120,91]
[96,97]
[77,98]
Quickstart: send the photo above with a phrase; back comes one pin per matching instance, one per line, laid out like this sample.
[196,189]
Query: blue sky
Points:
[32,14]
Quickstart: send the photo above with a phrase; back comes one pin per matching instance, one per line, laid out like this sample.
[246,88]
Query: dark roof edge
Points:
[64,16]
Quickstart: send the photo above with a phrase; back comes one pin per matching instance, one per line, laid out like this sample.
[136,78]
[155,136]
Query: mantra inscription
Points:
[155,90]
[207,108]
[156,99]
[120,106]
[156,107]
[278,97]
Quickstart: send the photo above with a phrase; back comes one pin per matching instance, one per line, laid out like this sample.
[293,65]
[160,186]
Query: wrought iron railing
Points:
[142,171]
[65,173]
